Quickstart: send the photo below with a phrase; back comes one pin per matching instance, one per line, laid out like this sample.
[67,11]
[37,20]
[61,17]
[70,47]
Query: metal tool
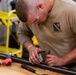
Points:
[32,70]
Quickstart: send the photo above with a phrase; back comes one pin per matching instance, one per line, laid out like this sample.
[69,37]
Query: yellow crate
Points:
[4,16]
[9,19]
[15,52]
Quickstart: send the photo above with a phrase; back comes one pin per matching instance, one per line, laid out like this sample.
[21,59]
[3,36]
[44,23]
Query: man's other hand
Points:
[53,60]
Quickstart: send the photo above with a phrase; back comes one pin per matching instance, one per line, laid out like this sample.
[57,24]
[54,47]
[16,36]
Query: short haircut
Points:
[21,10]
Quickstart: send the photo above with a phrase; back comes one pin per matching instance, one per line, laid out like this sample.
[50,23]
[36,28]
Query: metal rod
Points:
[55,69]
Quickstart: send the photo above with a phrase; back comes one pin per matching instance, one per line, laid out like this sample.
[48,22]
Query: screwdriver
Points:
[31,69]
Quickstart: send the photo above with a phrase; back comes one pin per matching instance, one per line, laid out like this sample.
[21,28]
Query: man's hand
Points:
[53,60]
[33,55]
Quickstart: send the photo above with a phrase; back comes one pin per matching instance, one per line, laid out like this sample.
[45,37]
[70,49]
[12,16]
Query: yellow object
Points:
[9,19]
[35,42]
[4,17]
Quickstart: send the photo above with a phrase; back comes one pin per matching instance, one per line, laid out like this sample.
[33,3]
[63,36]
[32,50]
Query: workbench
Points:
[15,69]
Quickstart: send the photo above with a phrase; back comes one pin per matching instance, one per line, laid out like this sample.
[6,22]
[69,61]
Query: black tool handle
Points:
[28,68]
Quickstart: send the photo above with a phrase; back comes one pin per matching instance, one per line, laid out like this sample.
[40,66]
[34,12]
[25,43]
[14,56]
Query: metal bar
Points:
[55,69]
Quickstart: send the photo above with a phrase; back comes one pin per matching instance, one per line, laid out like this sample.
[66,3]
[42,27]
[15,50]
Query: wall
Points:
[5,5]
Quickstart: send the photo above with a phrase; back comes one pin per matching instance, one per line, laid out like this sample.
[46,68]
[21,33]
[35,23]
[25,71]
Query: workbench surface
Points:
[15,69]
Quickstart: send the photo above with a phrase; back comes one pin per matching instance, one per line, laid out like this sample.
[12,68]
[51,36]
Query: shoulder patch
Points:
[56,27]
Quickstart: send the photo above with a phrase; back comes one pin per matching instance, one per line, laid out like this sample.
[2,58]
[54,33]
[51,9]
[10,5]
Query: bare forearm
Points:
[70,57]
[28,44]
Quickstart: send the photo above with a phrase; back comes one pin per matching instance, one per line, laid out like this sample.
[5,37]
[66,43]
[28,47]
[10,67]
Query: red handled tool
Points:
[8,60]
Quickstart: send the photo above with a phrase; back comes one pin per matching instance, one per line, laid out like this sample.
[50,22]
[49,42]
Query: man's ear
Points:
[40,6]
